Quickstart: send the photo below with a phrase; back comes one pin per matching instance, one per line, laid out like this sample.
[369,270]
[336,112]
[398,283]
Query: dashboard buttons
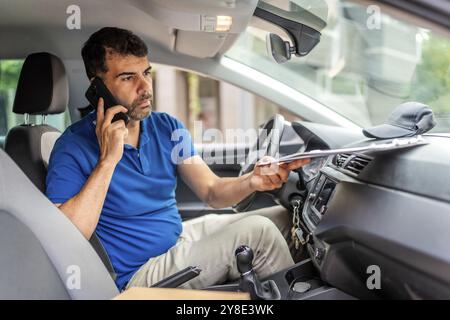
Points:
[314,218]
[320,183]
[319,254]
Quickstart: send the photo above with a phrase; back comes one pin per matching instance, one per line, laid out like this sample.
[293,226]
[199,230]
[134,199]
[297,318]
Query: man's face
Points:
[129,80]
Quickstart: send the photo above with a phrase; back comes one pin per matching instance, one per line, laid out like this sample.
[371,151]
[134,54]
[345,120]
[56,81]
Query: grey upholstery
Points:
[24,145]
[41,251]
[48,140]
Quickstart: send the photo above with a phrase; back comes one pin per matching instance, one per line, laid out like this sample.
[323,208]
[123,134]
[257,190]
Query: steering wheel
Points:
[267,144]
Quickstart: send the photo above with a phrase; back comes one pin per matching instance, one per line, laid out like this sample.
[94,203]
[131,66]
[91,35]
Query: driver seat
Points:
[42,90]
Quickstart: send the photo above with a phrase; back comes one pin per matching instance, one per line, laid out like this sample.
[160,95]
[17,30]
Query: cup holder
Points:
[302,270]
[302,278]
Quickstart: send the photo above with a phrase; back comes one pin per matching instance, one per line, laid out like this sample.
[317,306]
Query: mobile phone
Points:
[98,89]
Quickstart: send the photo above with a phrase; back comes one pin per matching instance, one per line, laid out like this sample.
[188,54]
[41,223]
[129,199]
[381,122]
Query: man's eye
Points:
[127,78]
[148,74]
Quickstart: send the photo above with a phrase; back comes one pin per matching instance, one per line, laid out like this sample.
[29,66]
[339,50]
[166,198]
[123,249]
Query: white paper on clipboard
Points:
[373,147]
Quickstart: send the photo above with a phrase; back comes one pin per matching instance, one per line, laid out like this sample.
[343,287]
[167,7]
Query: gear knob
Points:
[244,259]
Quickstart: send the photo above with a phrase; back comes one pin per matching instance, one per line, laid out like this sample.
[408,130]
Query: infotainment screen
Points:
[324,195]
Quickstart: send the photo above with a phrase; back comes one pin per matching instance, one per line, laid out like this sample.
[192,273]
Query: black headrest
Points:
[43,86]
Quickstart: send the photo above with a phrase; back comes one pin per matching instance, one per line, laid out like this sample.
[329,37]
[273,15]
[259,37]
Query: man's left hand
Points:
[272,176]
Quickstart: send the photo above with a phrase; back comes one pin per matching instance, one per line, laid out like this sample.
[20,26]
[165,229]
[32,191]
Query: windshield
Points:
[366,63]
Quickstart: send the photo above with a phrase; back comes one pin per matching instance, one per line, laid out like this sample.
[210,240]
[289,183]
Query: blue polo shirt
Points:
[139,219]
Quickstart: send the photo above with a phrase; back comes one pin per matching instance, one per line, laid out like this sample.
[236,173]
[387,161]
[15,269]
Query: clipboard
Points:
[373,147]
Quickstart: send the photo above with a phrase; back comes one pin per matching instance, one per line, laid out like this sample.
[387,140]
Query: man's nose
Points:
[145,85]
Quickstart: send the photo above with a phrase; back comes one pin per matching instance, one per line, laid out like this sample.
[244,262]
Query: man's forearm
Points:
[84,208]
[229,191]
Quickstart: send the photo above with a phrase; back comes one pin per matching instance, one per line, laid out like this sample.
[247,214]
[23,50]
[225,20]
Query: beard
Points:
[137,113]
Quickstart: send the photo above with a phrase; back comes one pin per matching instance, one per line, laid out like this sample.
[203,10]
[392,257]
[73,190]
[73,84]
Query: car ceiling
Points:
[40,25]
[28,26]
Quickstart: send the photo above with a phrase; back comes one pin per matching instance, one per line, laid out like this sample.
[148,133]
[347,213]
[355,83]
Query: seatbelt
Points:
[98,247]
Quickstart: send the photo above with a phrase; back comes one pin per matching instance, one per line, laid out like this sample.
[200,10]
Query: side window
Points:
[200,101]
[9,76]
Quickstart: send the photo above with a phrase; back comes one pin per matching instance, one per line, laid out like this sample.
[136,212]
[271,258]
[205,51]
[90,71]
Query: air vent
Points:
[340,159]
[356,164]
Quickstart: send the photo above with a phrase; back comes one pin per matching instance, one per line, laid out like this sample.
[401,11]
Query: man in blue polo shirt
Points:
[119,181]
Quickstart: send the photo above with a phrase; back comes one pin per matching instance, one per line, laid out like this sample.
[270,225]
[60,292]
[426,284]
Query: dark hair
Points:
[119,41]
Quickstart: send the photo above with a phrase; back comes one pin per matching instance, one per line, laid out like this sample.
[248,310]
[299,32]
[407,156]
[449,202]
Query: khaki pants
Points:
[210,241]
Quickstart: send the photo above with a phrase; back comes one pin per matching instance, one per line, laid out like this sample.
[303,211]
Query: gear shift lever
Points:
[244,259]
[249,282]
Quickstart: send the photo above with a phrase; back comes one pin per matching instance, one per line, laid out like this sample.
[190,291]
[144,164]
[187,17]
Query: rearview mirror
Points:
[302,26]
[277,48]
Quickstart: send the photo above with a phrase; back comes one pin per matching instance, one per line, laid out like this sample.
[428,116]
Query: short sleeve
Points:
[65,176]
[183,146]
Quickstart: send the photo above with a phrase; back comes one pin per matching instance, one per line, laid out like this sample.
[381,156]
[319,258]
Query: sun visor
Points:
[199,44]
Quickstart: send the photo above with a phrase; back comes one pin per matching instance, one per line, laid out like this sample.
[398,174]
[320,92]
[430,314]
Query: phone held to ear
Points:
[98,89]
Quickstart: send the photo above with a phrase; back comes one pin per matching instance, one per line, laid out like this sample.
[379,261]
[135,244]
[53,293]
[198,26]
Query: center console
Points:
[302,281]
[299,282]
[316,204]
[315,208]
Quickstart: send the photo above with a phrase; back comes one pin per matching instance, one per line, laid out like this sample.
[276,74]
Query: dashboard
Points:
[390,210]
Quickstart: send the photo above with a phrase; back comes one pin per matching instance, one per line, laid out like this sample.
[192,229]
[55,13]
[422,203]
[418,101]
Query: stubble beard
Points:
[135,112]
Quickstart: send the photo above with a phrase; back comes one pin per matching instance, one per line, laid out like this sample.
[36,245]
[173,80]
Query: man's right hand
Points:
[84,208]
[111,136]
